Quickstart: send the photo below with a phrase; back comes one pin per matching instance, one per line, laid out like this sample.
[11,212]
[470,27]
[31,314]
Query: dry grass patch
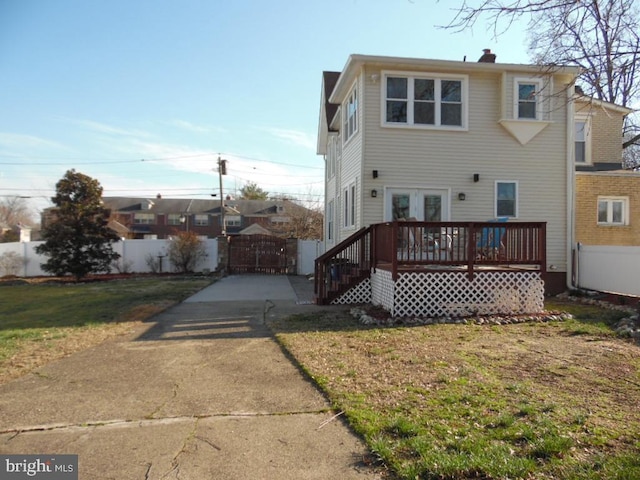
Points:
[535,400]
[44,321]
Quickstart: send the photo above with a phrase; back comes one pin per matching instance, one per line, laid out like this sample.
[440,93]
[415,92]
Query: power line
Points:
[81,161]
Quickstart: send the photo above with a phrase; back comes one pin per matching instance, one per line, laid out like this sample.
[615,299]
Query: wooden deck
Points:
[454,247]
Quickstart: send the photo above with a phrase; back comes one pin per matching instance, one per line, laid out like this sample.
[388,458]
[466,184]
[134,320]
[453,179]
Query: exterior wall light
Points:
[476,177]
[375,173]
[462,196]
[374,193]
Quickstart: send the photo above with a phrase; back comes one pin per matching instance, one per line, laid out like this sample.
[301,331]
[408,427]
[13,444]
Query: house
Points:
[161,217]
[607,197]
[449,141]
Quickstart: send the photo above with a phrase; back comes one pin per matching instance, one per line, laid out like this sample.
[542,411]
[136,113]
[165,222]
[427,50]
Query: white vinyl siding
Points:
[420,158]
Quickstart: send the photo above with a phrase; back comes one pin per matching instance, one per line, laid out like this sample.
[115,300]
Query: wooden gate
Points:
[257,254]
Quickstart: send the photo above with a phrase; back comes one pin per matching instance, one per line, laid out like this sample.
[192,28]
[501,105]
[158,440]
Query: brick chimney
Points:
[487,56]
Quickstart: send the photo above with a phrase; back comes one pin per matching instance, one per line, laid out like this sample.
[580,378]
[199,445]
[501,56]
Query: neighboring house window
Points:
[144,218]
[527,92]
[506,199]
[330,220]
[425,101]
[201,219]
[174,219]
[613,211]
[232,220]
[582,140]
[350,115]
[349,203]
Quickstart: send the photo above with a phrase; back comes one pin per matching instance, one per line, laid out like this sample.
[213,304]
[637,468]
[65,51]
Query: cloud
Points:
[192,127]
[20,141]
[104,128]
[294,137]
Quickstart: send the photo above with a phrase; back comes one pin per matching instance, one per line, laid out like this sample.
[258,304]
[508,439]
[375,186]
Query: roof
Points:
[602,104]
[327,110]
[330,80]
[242,207]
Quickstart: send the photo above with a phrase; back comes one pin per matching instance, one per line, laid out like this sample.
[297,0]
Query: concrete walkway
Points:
[203,392]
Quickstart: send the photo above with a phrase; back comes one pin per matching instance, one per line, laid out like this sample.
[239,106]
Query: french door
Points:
[428,205]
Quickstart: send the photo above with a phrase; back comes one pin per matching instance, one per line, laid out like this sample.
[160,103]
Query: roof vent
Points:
[487,56]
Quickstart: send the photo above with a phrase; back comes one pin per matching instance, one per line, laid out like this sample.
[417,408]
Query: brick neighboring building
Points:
[138,218]
[607,197]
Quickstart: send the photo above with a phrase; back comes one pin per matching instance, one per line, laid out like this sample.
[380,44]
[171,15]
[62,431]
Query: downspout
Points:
[571,175]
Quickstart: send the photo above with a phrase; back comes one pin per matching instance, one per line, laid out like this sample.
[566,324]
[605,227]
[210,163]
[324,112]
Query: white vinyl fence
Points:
[609,269]
[134,255]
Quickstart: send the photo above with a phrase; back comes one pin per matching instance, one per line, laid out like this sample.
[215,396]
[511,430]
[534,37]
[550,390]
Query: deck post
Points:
[471,250]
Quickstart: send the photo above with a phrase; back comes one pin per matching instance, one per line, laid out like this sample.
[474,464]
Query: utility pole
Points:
[222,170]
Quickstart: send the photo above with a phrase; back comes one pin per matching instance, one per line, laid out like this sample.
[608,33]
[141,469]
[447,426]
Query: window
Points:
[144,218]
[233,220]
[527,92]
[332,155]
[582,140]
[506,199]
[613,211]
[350,115]
[425,101]
[349,203]
[174,219]
[201,219]
[330,220]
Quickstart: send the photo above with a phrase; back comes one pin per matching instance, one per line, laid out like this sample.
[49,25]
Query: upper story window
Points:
[528,99]
[233,220]
[144,218]
[333,153]
[582,140]
[613,210]
[350,115]
[201,219]
[429,100]
[506,199]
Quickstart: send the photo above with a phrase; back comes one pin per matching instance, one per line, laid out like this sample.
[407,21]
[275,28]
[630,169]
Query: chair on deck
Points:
[490,245]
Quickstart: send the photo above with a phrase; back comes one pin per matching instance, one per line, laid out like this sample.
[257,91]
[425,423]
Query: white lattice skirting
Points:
[438,294]
[361,293]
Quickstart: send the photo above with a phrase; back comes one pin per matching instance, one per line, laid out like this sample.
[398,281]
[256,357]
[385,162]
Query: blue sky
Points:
[143,95]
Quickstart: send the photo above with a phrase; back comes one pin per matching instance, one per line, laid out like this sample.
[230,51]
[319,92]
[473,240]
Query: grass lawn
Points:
[558,400]
[42,322]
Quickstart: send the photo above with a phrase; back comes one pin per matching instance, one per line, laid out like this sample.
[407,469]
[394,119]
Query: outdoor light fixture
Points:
[476,177]
[375,174]
[374,193]
[462,197]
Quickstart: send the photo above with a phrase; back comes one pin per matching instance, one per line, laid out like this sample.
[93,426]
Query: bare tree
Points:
[304,221]
[600,36]
[14,211]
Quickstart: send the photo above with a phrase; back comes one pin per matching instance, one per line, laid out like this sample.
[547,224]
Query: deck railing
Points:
[412,245]
[343,266]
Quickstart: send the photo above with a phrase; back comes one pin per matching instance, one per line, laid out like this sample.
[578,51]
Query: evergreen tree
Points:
[251,191]
[78,241]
